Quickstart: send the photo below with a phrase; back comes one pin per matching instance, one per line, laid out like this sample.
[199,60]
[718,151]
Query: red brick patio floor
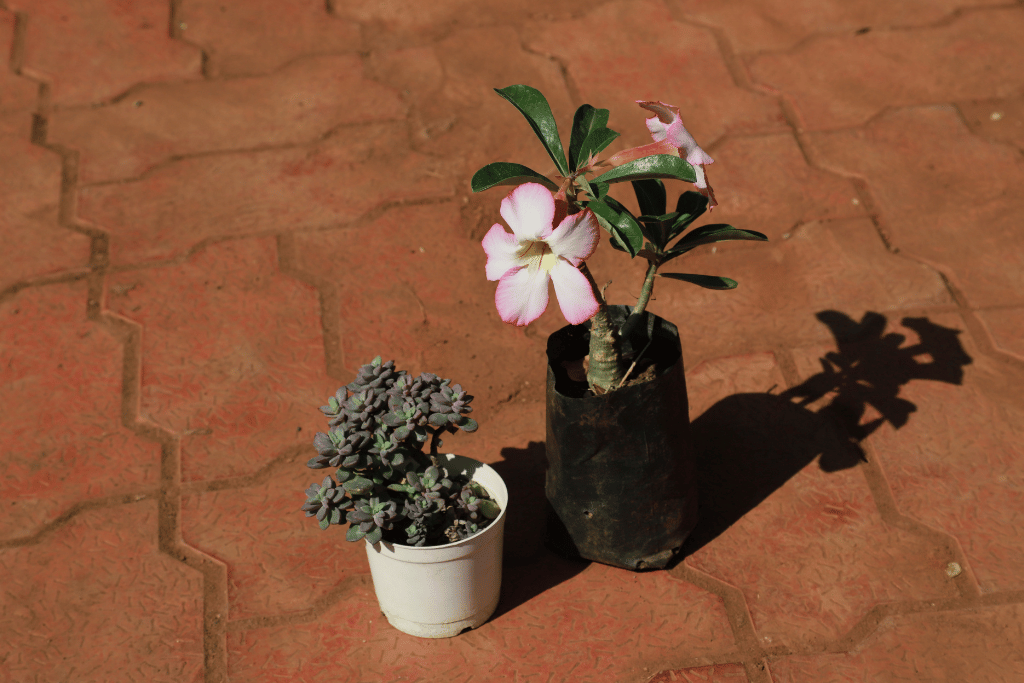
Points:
[213,211]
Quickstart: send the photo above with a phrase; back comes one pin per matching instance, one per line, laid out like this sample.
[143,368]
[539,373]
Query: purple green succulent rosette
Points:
[384,485]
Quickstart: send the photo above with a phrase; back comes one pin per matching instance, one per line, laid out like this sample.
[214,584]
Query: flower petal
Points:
[575,295]
[667,124]
[665,113]
[707,190]
[522,295]
[575,238]
[529,210]
[501,248]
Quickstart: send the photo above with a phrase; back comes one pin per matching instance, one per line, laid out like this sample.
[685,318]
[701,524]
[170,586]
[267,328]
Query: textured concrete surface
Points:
[213,212]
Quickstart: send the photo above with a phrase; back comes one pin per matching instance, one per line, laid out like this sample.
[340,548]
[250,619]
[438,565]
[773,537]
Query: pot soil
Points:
[621,470]
[440,591]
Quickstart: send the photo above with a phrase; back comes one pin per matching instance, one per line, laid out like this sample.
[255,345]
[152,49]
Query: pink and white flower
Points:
[671,137]
[536,253]
[666,124]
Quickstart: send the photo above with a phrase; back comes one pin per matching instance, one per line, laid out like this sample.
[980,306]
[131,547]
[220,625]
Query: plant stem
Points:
[645,291]
[605,369]
[435,441]
[635,361]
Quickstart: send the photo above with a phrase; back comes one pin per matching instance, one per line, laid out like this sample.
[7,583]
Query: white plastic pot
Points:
[438,591]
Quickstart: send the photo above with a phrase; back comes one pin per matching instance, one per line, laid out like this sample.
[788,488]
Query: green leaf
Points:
[595,142]
[689,207]
[654,166]
[618,221]
[585,186]
[354,533]
[401,488]
[374,536]
[706,281]
[650,195]
[592,190]
[585,121]
[503,173]
[358,486]
[489,509]
[333,403]
[324,523]
[716,232]
[470,425]
[533,105]
[335,516]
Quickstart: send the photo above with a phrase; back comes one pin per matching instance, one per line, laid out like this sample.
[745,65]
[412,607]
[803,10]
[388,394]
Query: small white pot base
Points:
[438,591]
[420,630]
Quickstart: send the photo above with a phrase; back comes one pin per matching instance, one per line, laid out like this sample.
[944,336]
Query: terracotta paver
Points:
[999,120]
[335,181]
[311,649]
[820,509]
[19,93]
[768,186]
[36,245]
[972,458]
[681,65]
[292,106]
[212,213]
[933,210]
[979,644]
[94,50]
[780,25]
[455,115]
[279,561]
[63,442]
[237,396]
[259,36]
[392,297]
[766,310]
[897,68]
[1006,325]
[96,600]
[389,25]
[718,673]
[601,624]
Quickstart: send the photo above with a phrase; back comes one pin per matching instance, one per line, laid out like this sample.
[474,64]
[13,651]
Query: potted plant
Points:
[432,524]
[620,475]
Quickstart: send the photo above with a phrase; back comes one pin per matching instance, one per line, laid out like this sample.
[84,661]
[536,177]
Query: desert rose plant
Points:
[384,486]
[555,226]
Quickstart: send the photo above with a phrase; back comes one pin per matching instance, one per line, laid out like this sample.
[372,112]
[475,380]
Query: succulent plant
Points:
[326,501]
[384,486]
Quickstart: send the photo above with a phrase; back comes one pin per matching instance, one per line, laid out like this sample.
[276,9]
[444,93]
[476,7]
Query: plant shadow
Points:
[529,567]
[749,445]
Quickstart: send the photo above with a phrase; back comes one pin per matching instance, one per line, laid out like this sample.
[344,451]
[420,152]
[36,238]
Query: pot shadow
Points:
[749,445]
[529,567]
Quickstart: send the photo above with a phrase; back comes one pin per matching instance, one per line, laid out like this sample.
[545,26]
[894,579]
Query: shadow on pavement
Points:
[530,568]
[748,445]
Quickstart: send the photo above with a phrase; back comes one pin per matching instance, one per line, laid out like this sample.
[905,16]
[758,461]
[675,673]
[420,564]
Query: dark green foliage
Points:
[534,106]
[385,486]
[504,173]
[660,228]
[654,166]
